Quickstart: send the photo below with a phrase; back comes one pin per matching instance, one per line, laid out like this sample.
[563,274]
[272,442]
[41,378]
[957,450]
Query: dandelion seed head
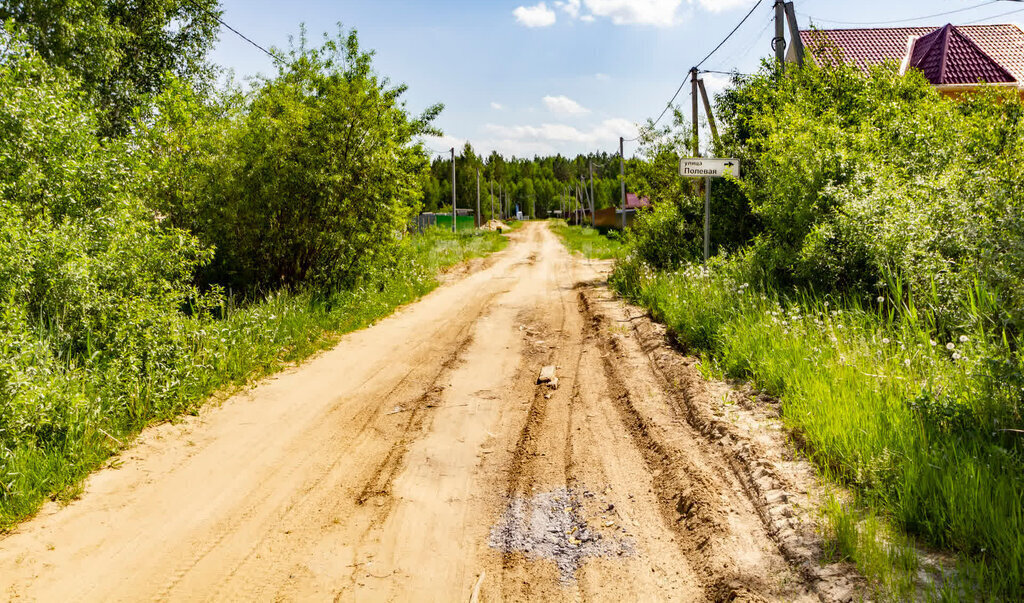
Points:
[885,340]
[963,339]
[951,346]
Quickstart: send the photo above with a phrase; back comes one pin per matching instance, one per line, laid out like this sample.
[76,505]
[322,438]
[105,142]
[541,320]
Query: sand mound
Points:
[495,225]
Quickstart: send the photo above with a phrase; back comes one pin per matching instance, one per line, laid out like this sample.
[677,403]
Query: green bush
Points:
[857,178]
[660,238]
[309,180]
[903,210]
[111,316]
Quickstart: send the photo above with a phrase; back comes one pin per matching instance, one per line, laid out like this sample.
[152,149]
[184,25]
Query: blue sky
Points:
[529,77]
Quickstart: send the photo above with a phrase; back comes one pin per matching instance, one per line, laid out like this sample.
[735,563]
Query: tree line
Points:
[538,186]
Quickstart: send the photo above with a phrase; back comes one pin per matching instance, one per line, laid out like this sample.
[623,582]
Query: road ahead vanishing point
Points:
[421,460]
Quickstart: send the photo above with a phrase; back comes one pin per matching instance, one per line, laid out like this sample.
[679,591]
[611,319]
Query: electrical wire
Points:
[708,56]
[236,32]
[1012,12]
[724,63]
[726,72]
[734,29]
[894,21]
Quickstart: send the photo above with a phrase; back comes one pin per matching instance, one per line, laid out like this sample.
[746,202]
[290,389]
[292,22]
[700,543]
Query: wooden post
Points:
[454,217]
[694,93]
[707,111]
[794,33]
[779,42]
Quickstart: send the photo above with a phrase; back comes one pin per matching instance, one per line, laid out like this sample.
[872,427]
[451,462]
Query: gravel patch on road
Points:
[552,526]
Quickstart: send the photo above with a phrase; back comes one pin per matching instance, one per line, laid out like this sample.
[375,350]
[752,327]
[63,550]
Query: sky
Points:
[533,77]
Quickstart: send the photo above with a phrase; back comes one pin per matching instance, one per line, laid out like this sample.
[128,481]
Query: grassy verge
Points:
[588,241]
[925,432]
[97,408]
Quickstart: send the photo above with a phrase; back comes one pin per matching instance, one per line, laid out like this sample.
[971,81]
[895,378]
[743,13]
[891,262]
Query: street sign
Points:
[709,168]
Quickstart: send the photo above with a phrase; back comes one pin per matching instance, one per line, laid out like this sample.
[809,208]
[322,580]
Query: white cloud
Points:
[571,8]
[535,16]
[639,12]
[715,83]
[721,6]
[606,133]
[602,77]
[497,106]
[587,18]
[564,104]
[443,143]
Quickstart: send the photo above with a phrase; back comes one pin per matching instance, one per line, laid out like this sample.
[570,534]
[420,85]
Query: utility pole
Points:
[593,204]
[622,181]
[478,216]
[453,189]
[695,92]
[492,199]
[779,43]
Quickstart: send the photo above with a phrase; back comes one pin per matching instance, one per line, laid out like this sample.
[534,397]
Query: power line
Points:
[1012,12]
[724,63]
[236,32]
[683,83]
[726,72]
[921,18]
[738,25]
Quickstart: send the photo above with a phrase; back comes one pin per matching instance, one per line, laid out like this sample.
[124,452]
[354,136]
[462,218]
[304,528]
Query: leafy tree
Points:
[121,50]
[319,175]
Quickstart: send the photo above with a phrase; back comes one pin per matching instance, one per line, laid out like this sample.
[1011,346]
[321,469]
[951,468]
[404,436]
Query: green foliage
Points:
[89,275]
[112,250]
[310,180]
[921,427]
[539,186]
[120,50]
[66,420]
[661,237]
[858,177]
[589,242]
[880,296]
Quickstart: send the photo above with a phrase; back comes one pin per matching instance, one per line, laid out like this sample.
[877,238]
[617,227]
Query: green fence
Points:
[463,223]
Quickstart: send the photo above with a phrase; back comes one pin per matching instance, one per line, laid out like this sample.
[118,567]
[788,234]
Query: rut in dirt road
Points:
[420,459]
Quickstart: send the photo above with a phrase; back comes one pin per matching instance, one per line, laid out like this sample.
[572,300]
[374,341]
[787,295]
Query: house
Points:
[611,217]
[954,58]
[634,201]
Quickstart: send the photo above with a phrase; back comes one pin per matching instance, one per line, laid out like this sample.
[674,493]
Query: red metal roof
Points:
[635,202]
[946,56]
[1002,43]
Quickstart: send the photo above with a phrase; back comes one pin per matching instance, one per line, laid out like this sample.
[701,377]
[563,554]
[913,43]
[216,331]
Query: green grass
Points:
[588,241]
[99,409]
[922,429]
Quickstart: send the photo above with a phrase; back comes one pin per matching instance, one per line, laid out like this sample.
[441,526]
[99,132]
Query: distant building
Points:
[634,201]
[954,58]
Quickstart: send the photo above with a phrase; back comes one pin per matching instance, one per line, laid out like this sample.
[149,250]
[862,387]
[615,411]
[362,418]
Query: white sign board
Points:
[713,168]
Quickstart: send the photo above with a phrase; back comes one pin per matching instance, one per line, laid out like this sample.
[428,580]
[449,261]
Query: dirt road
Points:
[421,460]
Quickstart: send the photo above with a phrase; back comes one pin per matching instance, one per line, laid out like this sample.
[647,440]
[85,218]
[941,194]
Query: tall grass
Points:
[99,407]
[588,241]
[924,428]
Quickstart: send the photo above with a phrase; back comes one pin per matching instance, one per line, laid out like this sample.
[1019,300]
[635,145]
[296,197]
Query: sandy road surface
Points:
[420,460]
